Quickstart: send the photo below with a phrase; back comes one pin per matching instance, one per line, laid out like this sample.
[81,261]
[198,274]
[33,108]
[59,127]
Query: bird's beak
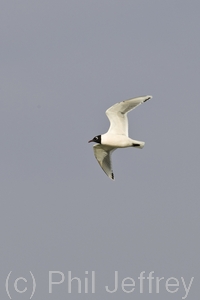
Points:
[90,141]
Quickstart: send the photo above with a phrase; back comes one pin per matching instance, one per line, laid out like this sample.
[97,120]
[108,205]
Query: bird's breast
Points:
[117,141]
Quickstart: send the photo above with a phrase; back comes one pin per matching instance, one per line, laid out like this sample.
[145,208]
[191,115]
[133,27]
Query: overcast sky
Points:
[63,63]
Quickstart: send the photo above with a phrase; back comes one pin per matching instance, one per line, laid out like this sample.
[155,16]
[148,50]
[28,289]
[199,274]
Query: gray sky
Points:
[63,63]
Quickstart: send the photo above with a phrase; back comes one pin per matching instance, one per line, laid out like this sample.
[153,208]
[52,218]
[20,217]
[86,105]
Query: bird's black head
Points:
[96,139]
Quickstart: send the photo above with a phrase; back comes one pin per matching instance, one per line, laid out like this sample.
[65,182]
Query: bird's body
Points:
[117,135]
[118,140]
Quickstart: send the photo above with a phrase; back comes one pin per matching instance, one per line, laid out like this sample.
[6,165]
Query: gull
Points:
[117,134]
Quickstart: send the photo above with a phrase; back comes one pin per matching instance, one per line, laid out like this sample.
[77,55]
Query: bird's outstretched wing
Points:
[117,114]
[103,156]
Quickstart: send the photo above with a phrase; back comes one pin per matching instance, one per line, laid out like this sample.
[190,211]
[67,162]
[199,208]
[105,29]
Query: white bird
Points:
[117,134]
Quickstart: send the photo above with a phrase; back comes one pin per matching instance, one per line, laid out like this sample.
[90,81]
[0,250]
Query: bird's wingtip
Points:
[148,98]
[112,176]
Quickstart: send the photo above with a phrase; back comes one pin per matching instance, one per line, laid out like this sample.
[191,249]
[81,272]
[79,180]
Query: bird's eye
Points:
[96,138]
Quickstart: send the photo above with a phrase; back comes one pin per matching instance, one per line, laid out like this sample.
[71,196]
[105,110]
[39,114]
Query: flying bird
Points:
[117,134]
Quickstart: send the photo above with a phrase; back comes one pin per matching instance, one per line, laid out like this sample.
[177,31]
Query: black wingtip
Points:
[112,175]
[148,98]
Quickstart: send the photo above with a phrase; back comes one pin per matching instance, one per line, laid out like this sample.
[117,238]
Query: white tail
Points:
[138,144]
